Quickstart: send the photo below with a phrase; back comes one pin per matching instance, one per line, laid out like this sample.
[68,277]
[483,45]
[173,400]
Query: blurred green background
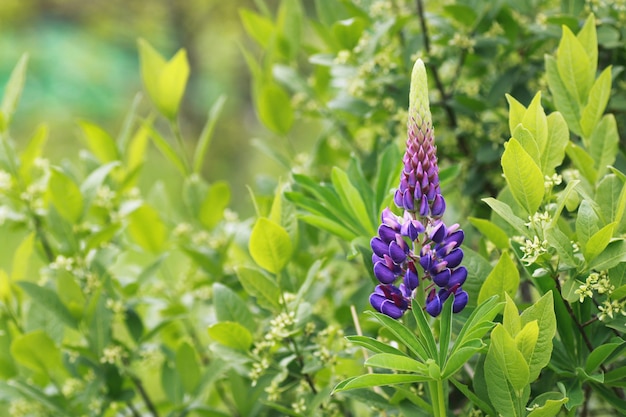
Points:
[84,65]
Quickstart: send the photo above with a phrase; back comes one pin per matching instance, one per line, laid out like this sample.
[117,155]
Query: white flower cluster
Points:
[112,354]
[533,249]
[551,181]
[601,284]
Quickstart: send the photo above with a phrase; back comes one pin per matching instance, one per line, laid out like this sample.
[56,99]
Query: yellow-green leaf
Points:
[147,229]
[270,245]
[598,99]
[100,142]
[65,196]
[231,334]
[504,278]
[523,176]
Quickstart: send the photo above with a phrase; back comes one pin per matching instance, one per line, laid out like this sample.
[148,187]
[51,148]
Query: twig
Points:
[144,396]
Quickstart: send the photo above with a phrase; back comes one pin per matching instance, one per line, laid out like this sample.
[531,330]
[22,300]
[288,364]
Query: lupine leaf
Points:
[231,334]
[504,278]
[374,345]
[491,231]
[259,285]
[377,380]
[596,103]
[403,335]
[543,312]
[558,137]
[460,357]
[425,330]
[478,323]
[389,167]
[270,245]
[397,363]
[604,142]
[351,198]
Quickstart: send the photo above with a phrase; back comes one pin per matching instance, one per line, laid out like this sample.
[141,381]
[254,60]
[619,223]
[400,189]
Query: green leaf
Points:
[230,307]
[98,321]
[100,142]
[274,108]
[598,241]
[537,124]
[13,90]
[188,367]
[523,176]
[403,335]
[22,258]
[351,197]
[33,151]
[504,278]
[147,229]
[589,41]
[91,184]
[510,319]
[50,301]
[526,340]
[478,323]
[607,196]
[165,148]
[461,356]
[36,351]
[582,161]
[543,312]
[377,380]
[260,286]
[586,223]
[258,27]
[558,137]
[289,22]
[600,354]
[491,231]
[214,204]
[397,363]
[550,409]
[604,142]
[516,112]
[614,253]
[565,103]
[563,245]
[508,358]
[504,210]
[231,334]
[270,245]
[165,81]
[573,65]
[374,345]
[207,134]
[528,142]
[562,199]
[596,103]
[425,331]
[65,196]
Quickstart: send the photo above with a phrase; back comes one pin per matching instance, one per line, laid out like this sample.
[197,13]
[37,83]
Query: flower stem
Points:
[437,398]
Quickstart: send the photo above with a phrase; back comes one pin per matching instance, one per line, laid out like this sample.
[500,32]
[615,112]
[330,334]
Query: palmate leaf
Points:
[403,335]
[377,380]
[397,363]
[375,345]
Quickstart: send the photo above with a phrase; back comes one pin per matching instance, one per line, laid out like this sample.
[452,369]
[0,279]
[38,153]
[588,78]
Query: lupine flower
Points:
[417,248]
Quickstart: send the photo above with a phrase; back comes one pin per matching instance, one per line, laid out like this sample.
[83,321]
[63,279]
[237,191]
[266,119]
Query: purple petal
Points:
[426,261]
[397,199]
[389,219]
[411,279]
[379,247]
[386,233]
[433,307]
[460,301]
[458,276]
[384,274]
[442,278]
[454,258]
[424,206]
[396,252]
[407,200]
[456,237]
[439,232]
[439,206]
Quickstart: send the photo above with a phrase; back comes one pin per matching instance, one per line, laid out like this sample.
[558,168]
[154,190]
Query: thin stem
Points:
[144,396]
[437,398]
[175,127]
[132,409]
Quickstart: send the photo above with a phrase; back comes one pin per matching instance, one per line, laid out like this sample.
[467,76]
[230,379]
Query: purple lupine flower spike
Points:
[418,246]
